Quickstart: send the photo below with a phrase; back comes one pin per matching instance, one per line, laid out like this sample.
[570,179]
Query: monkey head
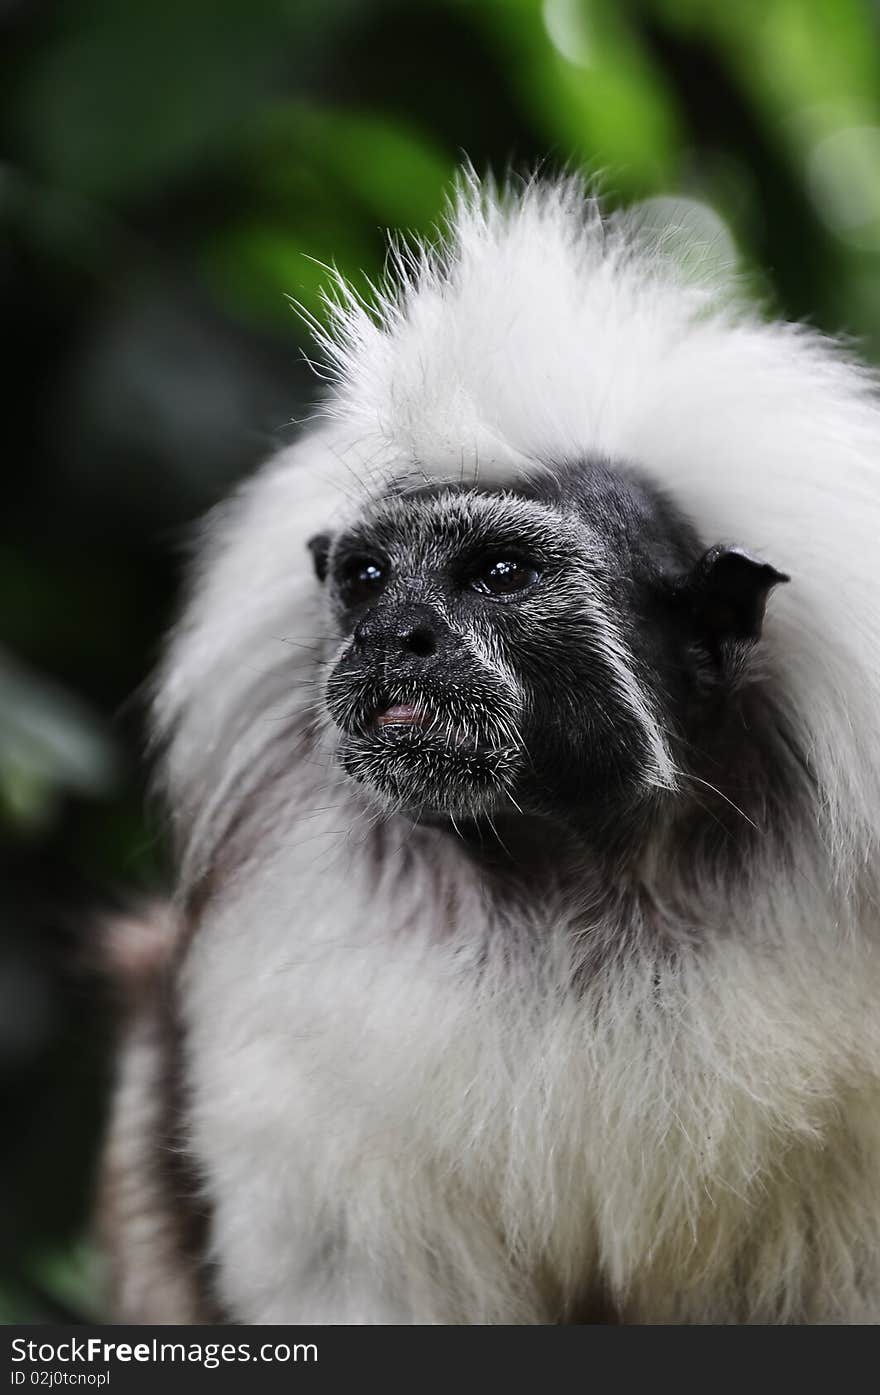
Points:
[553,649]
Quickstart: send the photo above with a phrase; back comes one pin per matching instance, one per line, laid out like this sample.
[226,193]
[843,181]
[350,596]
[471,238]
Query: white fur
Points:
[388,1134]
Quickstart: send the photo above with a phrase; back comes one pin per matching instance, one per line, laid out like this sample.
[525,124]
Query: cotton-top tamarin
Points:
[522,742]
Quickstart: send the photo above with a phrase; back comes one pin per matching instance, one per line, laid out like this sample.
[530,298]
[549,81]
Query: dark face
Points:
[529,653]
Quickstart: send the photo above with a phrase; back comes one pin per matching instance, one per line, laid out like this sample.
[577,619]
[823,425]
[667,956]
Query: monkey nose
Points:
[408,633]
[418,639]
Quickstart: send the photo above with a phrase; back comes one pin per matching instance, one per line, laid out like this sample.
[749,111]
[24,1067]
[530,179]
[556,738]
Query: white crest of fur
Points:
[383,1138]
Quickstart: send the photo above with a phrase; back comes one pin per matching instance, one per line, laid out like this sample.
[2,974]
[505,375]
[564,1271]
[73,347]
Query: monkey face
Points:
[527,652]
[428,703]
[474,674]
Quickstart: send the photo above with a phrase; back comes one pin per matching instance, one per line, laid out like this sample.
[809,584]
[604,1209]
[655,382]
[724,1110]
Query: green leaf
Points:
[49,744]
[319,186]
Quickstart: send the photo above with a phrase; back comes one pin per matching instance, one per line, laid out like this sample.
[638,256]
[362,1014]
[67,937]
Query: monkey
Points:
[521,743]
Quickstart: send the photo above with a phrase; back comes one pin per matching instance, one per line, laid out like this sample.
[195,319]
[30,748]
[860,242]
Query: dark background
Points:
[170,172]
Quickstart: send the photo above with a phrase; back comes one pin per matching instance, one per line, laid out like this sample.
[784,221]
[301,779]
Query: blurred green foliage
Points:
[171,171]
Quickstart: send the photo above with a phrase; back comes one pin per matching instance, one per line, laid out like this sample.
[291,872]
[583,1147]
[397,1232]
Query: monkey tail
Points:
[135,948]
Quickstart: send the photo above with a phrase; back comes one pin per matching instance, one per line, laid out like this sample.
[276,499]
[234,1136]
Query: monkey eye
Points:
[361,578]
[504,576]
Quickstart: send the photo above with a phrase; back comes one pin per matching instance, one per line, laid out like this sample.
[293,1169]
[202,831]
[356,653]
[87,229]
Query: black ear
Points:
[726,593]
[319,547]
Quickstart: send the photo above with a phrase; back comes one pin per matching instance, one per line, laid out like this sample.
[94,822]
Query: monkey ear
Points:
[726,593]
[319,547]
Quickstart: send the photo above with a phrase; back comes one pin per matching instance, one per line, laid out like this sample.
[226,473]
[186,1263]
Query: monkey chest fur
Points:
[394,1126]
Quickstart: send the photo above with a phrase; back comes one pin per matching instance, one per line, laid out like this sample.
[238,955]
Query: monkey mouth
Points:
[402,714]
[424,750]
[408,723]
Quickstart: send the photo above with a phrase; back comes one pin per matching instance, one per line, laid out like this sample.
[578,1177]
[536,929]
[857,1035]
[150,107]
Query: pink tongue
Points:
[398,712]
